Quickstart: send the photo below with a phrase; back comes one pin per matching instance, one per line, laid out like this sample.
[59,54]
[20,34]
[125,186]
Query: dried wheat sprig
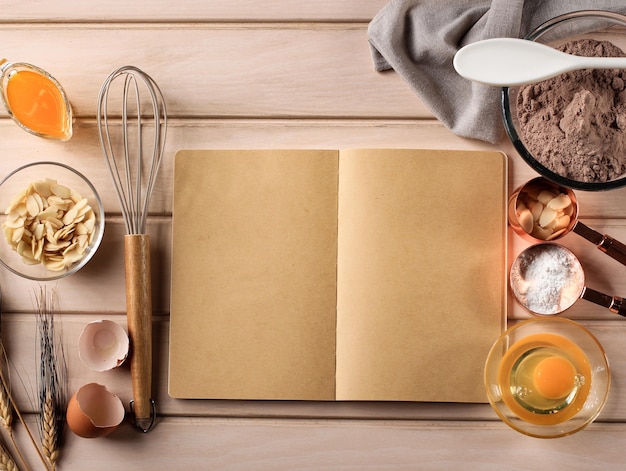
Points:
[6,411]
[8,407]
[7,463]
[52,378]
[25,425]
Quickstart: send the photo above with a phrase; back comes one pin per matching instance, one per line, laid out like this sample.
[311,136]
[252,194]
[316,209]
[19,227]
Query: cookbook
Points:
[336,275]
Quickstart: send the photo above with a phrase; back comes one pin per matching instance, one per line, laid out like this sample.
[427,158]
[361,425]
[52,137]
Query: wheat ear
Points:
[52,379]
[23,422]
[8,407]
[49,440]
[6,461]
[6,412]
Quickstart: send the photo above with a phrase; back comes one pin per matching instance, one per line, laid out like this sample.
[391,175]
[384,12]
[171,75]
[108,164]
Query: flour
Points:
[547,278]
[575,123]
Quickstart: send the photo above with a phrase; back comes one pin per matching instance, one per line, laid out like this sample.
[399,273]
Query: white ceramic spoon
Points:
[509,61]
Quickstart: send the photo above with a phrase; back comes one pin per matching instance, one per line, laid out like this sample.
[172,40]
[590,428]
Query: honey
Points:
[544,379]
[36,102]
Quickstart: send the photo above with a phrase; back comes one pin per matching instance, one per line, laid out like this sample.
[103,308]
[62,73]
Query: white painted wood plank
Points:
[83,150]
[222,70]
[194,10]
[286,445]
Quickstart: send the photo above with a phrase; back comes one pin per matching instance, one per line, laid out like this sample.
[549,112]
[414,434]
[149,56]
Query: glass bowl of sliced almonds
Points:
[52,221]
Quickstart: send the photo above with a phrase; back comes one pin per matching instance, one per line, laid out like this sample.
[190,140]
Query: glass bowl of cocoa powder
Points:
[571,128]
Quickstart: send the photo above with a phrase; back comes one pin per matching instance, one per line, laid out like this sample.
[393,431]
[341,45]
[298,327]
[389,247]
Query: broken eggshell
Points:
[94,412]
[103,345]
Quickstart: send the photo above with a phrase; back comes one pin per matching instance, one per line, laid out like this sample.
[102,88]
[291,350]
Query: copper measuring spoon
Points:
[547,279]
[534,232]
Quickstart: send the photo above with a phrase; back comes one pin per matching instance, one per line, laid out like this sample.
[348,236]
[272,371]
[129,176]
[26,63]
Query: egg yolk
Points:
[554,377]
[37,103]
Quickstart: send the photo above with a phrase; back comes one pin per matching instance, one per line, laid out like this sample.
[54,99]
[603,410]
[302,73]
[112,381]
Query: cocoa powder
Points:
[575,123]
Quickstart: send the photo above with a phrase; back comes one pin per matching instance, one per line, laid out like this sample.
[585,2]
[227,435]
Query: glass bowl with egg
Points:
[571,128]
[547,377]
[52,221]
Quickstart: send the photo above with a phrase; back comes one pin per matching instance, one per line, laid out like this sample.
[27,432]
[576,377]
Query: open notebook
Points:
[370,274]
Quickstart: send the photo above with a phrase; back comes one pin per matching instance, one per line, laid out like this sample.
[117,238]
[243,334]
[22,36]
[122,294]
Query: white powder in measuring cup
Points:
[547,278]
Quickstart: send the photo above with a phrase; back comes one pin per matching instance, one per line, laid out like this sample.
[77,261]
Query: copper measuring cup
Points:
[547,279]
[519,211]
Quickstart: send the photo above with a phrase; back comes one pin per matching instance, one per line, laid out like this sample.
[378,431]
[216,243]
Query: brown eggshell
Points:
[94,412]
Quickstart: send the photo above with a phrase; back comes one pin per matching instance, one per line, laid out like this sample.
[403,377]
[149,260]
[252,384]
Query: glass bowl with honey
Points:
[52,221]
[547,377]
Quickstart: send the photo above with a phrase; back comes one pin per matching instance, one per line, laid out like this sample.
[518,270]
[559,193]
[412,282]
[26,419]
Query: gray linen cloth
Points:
[418,39]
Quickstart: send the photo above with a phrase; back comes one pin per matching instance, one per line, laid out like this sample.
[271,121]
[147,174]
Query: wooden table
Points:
[272,74]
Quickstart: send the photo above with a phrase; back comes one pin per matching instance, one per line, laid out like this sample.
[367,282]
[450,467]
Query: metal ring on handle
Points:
[136,421]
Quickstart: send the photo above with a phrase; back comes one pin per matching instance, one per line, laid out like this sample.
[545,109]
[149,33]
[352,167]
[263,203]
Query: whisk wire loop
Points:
[133,176]
[133,197]
[107,150]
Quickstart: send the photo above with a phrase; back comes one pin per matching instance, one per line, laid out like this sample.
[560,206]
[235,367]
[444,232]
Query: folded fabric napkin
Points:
[419,38]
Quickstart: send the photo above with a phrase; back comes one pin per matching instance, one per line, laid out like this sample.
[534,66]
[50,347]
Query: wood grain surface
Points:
[273,74]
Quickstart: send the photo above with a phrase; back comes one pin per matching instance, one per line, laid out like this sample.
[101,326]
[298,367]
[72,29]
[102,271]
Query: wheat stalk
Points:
[6,408]
[4,383]
[52,379]
[9,409]
[6,461]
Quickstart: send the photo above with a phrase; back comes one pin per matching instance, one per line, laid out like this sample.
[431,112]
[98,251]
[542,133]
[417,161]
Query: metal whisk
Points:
[133,168]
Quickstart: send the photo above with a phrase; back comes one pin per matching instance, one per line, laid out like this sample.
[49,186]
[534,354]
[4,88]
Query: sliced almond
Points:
[32,206]
[536,208]
[42,188]
[526,221]
[548,217]
[60,190]
[17,234]
[14,223]
[545,196]
[70,215]
[559,202]
[541,233]
[49,223]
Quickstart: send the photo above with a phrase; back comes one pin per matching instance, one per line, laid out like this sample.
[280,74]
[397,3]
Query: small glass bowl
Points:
[18,181]
[50,97]
[593,395]
[599,25]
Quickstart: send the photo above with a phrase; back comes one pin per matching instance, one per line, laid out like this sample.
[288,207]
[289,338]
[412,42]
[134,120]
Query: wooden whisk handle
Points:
[139,315]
